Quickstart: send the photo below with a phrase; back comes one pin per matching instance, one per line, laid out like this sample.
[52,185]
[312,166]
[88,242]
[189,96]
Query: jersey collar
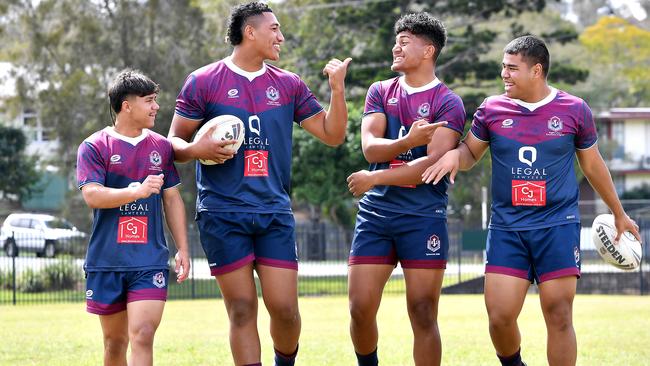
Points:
[412,90]
[532,106]
[131,140]
[237,70]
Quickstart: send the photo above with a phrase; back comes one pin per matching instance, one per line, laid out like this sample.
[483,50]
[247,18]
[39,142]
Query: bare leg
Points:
[144,318]
[504,298]
[365,286]
[116,338]
[422,295]
[556,297]
[240,298]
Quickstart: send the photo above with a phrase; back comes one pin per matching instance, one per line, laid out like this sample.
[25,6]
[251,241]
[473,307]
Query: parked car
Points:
[45,235]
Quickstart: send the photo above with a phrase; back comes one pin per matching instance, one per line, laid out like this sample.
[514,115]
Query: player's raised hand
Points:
[151,185]
[209,148]
[360,182]
[421,132]
[625,223]
[448,163]
[182,266]
[336,70]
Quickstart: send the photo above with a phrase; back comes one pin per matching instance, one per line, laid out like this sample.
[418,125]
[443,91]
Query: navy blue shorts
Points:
[109,292]
[385,237]
[536,255]
[231,240]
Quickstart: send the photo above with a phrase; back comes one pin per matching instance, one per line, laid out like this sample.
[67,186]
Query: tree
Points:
[18,178]
[622,50]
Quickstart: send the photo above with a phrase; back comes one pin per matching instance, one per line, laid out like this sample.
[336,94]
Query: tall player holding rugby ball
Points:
[243,208]
[533,132]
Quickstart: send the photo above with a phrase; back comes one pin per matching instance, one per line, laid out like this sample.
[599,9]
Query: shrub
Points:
[62,275]
[31,281]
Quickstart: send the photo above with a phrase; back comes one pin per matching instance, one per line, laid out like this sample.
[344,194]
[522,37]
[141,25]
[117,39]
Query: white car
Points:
[45,235]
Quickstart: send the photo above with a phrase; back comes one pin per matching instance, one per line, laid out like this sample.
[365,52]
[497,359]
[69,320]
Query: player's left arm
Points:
[443,140]
[594,168]
[176,222]
[330,126]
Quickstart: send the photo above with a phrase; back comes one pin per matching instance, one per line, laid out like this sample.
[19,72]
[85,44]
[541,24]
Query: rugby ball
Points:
[229,127]
[626,254]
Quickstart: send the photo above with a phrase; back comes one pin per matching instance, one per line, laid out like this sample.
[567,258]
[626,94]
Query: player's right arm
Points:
[378,149]
[464,157]
[180,135]
[98,196]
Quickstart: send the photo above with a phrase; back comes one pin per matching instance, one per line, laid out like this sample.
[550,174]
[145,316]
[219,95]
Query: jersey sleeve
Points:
[587,135]
[172,178]
[91,167]
[306,105]
[374,102]
[452,111]
[479,124]
[190,103]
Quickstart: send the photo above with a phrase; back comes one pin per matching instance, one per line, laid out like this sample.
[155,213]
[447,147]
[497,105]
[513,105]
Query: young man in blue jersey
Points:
[409,122]
[243,207]
[534,132]
[126,174]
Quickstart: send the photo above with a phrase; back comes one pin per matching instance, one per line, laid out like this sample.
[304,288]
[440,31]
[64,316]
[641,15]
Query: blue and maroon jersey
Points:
[533,149]
[129,237]
[403,105]
[258,178]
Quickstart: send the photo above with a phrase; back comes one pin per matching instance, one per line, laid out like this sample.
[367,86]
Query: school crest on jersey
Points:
[159,280]
[154,158]
[272,93]
[392,101]
[555,124]
[423,110]
[433,244]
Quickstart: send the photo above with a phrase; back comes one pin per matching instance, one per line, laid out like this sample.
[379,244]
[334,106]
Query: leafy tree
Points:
[622,51]
[18,171]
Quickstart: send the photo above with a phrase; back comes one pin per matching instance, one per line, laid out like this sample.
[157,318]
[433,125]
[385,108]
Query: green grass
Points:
[612,330]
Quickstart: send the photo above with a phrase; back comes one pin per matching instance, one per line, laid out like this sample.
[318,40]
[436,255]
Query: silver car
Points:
[45,235]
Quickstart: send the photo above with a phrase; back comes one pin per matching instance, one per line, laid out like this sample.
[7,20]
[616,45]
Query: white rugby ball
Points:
[229,127]
[626,254]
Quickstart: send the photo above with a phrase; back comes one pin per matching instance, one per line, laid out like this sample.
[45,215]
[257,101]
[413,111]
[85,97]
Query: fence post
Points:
[13,269]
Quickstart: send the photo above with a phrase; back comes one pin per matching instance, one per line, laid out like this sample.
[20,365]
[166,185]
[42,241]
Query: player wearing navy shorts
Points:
[243,207]
[534,132]
[409,122]
[126,174]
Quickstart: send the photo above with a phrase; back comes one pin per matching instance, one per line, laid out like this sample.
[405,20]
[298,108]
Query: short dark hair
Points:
[532,50]
[424,25]
[238,17]
[128,83]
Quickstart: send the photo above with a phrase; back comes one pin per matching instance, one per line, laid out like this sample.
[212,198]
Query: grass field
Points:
[612,330]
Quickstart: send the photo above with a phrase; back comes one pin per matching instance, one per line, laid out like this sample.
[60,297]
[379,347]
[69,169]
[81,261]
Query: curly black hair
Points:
[424,25]
[238,17]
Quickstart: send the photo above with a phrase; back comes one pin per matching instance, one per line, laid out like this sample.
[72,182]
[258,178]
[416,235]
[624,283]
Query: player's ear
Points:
[429,51]
[126,106]
[538,70]
[249,32]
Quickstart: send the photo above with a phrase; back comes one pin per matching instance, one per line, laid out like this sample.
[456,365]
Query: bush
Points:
[63,275]
[31,281]
[6,280]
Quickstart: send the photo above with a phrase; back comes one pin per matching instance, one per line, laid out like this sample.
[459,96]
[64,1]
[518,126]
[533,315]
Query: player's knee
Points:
[116,345]
[361,311]
[422,312]
[558,316]
[143,334]
[499,319]
[285,313]
[242,311]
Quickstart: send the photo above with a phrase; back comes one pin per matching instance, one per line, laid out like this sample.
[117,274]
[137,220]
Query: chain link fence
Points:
[31,274]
